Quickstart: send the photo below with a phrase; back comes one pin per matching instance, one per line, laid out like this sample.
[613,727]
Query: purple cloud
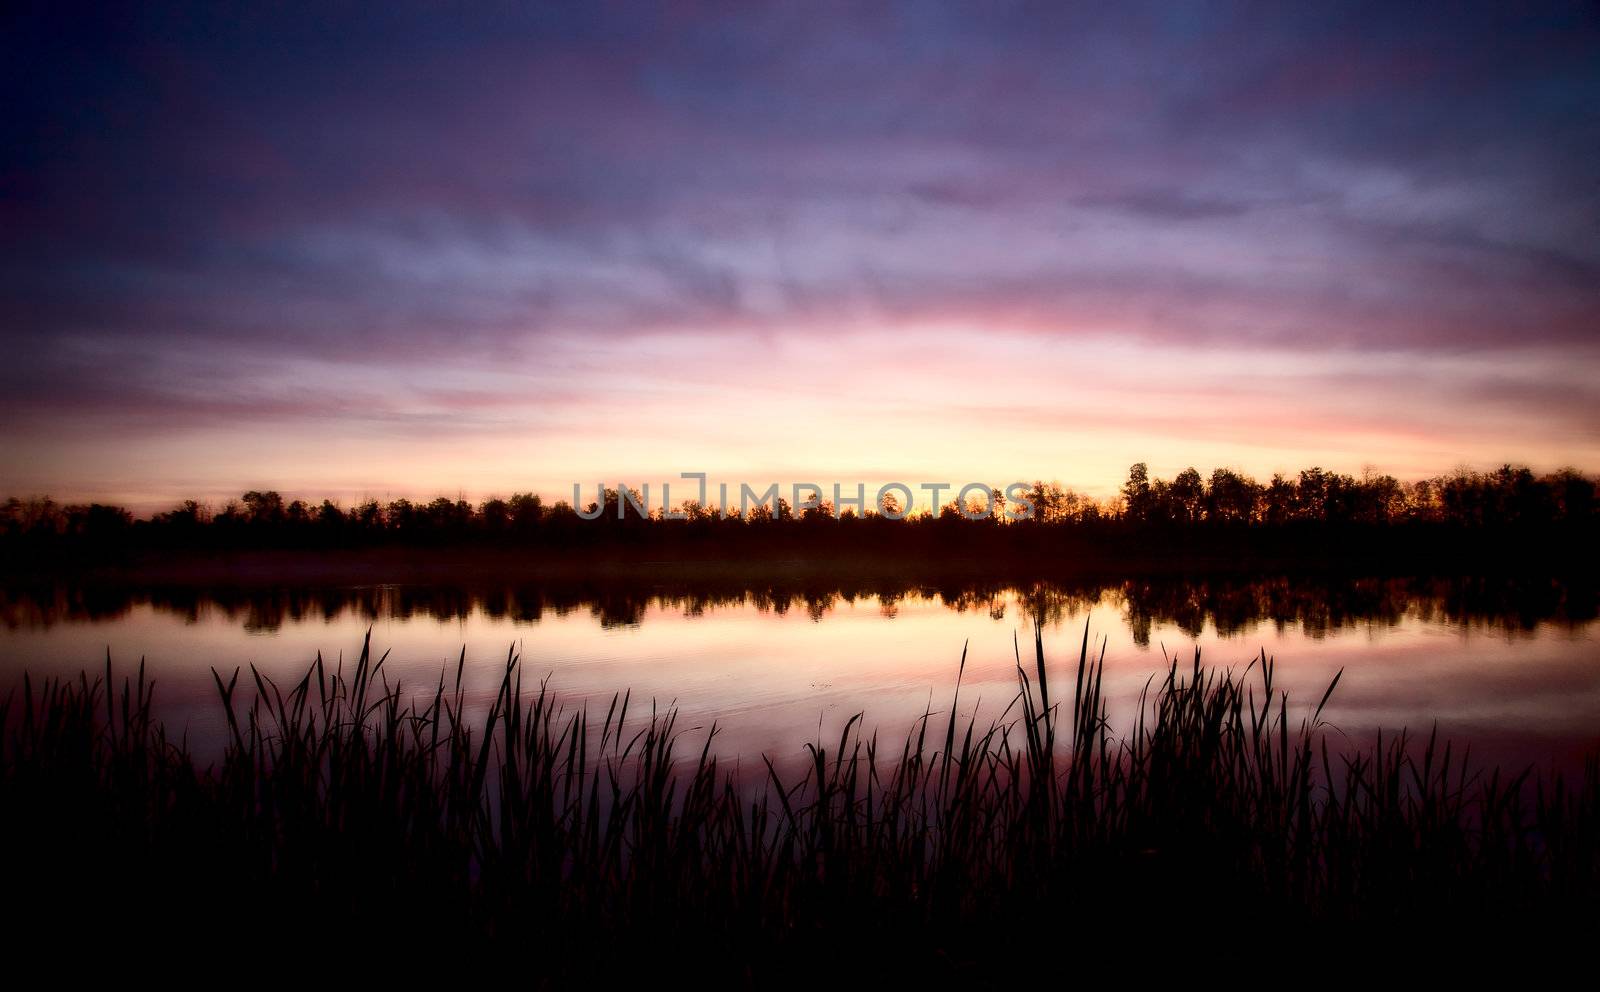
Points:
[199,205]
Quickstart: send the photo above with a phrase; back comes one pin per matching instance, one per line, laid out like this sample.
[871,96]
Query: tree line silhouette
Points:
[1228,510]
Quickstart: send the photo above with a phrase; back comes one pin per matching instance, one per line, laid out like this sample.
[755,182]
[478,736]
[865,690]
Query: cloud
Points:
[232,217]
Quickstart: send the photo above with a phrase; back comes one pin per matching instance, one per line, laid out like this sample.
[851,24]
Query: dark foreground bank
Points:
[351,810]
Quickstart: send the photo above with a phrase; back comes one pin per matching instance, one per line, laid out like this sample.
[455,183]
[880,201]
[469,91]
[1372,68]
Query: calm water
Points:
[1514,668]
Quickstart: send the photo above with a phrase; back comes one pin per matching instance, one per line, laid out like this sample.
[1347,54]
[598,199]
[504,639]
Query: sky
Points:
[347,251]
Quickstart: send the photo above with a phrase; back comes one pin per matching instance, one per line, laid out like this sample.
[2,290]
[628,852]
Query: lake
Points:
[1510,666]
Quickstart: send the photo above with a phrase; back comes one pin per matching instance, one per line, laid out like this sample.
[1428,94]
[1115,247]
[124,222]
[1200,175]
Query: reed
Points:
[350,802]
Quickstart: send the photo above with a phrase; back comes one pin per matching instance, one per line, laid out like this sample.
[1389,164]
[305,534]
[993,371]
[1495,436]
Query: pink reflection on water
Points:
[773,681]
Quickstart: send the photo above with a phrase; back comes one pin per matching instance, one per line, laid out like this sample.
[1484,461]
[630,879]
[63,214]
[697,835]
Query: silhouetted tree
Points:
[1188,495]
[1136,493]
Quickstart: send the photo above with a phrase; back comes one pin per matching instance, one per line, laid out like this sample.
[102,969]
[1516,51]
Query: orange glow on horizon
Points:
[933,404]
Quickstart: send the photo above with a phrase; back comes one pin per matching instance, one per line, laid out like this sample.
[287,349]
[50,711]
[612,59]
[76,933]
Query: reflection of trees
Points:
[1050,603]
[1316,605]
[819,603]
[1319,606]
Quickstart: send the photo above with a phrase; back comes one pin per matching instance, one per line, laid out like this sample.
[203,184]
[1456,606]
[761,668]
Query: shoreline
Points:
[446,565]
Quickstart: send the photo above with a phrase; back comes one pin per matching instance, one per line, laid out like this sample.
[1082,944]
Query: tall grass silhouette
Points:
[350,800]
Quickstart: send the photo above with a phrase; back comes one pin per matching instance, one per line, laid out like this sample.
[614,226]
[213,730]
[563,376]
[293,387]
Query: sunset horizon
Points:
[754,493]
[924,487]
[237,258]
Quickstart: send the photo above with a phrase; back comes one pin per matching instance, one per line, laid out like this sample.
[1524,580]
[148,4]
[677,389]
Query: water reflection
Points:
[1315,606]
[1510,665]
